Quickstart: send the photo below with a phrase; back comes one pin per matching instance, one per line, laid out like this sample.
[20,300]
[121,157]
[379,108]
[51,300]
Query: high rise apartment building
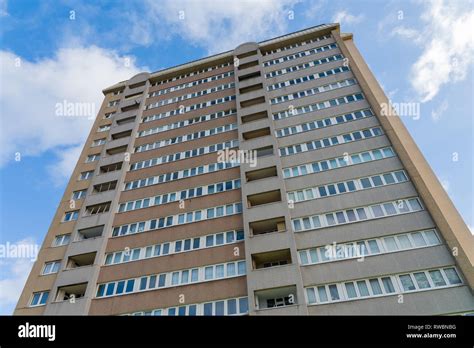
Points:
[337,213]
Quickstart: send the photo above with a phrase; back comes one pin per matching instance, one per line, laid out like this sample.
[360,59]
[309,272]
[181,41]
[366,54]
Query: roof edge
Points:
[226,54]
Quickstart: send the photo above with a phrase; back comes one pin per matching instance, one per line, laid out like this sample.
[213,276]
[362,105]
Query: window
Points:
[79,194]
[334,292]
[384,286]
[388,285]
[407,282]
[431,237]
[437,278]
[71,216]
[363,289]
[390,244]
[452,275]
[97,209]
[363,213]
[51,267]
[422,280]
[92,158]
[350,289]
[39,298]
[86,175]
[103,128]
[375,286]
[98,142]
[61,240]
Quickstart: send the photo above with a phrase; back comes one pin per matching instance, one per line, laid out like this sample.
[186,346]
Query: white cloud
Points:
[316,10]
[29,123]
[437,113]
[3,8]
[215,25]
[448,47]
[407,33]
[345,17]
[67,159]
[14,273]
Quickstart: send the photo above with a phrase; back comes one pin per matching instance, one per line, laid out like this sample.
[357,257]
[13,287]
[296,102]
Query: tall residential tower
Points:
[337,213]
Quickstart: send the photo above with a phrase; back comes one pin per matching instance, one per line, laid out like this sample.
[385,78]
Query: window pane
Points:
[36,298]
[373,246]
[350,289]
[375,285]
[232,307]
[311,295]
[316,222]
[389,178]
[437,278]
[110,289]
[324,254]
[404,241]
[330,219]
[390,244]
[44,297]
[361,213]
[175,278]
[415,205]
[377,180]
[194,275]
[407,283]
[418,239]
[207,308]
[431,237]
[243,305]
[220,308]
[390,209]
[351,215]
[388,285]
[452,275]
[377,210]
[219,271]
[334,293]
[241,267]
[422,280]
[362,286]
[208,273]
[219,239]
[313,256]
[303,257]
[340,218]
[323,297]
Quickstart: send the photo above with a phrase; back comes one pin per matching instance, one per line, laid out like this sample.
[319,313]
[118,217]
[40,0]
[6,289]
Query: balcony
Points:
[257,133]
[264,198]
[273,258]
[267,226]
[89,233]
[260,174]
[276,297]
[79,307]
[254,101]
[71,293]
[251,88]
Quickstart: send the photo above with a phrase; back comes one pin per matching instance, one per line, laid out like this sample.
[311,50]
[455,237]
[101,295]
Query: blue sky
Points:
[51,51]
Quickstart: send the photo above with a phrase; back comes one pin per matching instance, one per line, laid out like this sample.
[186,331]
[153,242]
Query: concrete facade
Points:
[276,279]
